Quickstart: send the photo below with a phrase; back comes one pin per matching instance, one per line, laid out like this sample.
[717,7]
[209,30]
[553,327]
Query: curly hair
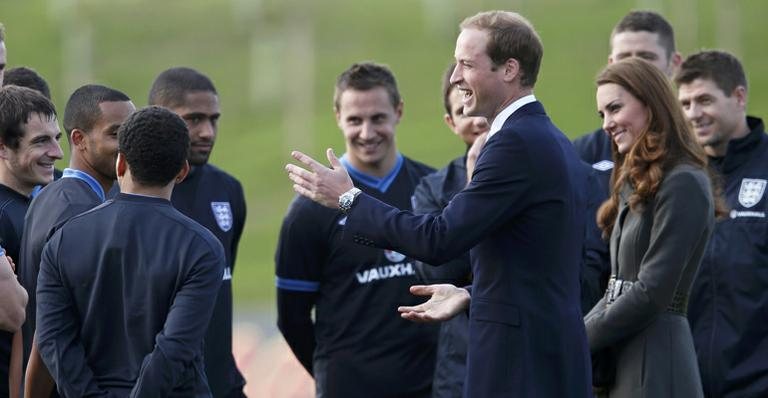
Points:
[665,142]
[155,143]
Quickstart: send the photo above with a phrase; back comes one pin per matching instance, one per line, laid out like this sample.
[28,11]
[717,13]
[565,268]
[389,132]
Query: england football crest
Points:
[751,191]
[394,256]
[222,212]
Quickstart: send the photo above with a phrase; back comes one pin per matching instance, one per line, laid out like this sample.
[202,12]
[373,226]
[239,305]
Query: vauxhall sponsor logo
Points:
[385,272]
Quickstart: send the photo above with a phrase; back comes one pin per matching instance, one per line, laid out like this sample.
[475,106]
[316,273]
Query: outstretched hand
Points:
[317,182]
[445,302]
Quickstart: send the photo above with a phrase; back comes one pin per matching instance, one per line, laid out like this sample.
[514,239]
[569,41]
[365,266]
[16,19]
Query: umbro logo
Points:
[603,165]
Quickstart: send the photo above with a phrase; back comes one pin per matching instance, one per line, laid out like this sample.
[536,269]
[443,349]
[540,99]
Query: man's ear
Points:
[449,122]
[121,165]
[4,150]
[740,92]
[399,111]
[182,173]
[77,137]
[511,70]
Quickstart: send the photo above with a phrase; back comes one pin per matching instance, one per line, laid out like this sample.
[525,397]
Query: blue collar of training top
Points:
[381,184]
[81,175]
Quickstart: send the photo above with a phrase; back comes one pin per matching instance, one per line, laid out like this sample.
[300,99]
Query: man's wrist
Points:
[347,199]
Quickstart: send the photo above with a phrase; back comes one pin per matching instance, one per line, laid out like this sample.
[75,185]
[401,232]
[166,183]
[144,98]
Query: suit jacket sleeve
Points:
[58,329]
[682,212]
[501,180]
[181,338]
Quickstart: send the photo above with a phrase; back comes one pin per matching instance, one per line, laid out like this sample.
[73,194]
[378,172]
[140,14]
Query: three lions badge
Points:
[222,212]
[751,191]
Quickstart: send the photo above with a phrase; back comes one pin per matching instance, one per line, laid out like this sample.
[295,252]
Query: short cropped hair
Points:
[365,76]
[648,21]
[82,110]
[2,32]
[27,77]
[172,85]
[510,35]
[448,88]
[718,66]
[155,143]
[17,105]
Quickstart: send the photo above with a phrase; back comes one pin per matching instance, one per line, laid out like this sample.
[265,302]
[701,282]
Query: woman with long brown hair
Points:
[659,217]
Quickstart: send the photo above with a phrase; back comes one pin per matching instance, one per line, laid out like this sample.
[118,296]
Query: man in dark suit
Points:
[522,216]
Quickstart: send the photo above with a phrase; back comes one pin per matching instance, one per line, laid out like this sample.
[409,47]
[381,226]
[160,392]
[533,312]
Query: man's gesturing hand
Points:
[322,184]
[445,302]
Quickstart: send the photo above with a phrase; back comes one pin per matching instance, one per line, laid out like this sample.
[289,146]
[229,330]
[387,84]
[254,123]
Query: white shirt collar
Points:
[498,121]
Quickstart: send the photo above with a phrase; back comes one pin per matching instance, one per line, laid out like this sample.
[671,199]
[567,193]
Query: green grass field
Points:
[275,62]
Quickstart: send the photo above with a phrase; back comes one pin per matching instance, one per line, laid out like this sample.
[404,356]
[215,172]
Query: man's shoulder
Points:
[417,167]
[65,191]
[438,178]
[595,148]
[304,209]
[211,172]
[9,197]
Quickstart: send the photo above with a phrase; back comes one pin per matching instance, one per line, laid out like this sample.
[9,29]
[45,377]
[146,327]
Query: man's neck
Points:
[721,149]
[379,169]
[78,164]
[511,99]
[9,180]
[130,187]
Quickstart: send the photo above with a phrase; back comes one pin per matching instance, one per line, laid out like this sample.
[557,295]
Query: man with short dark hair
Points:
[27,77]
[29,145]
[356,345]
[641,34]
[727,308]
[213,198]
[92,117]
[522,215]
[125,315]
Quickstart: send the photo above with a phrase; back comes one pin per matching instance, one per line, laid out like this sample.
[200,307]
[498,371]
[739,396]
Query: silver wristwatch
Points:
[347,198]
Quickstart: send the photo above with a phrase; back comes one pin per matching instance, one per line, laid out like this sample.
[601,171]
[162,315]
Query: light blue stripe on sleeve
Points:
[297,285]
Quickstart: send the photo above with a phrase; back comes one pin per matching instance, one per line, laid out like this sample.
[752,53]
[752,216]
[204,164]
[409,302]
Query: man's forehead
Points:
[116,109]
[471,43]
[374,100]
[697,87]
[199,102]
[39,123]
[634,41]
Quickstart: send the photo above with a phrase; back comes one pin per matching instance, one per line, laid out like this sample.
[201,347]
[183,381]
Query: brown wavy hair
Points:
[665,141]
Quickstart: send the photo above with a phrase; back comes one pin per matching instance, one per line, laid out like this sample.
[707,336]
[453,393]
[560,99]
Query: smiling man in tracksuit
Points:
[357,345]
[728,308]
[91,118]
